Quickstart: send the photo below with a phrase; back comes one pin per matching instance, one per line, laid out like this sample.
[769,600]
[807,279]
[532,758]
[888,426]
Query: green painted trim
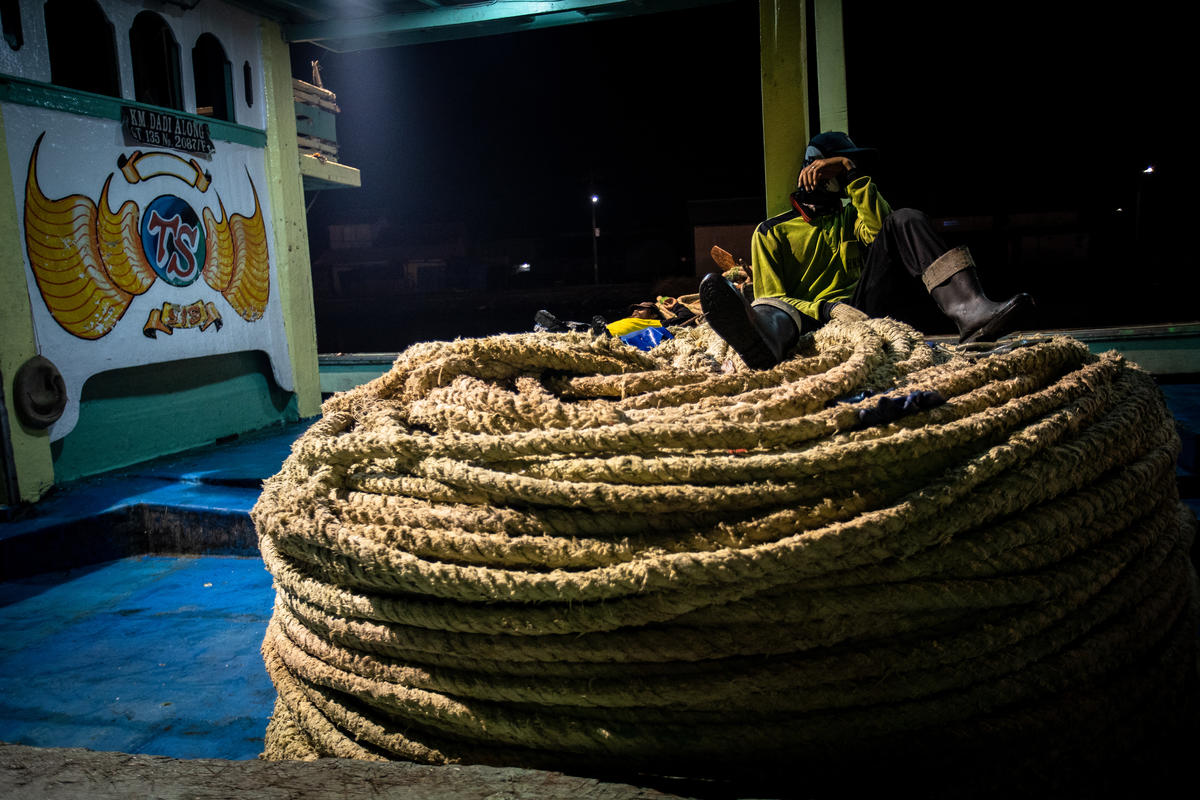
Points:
[470,21]
[339,359]
[133,414]
[1163,350]
[343,377]
[88,104]
[1160,332]
[290,223]
[30,448]
[784,59]
[831,65]
[1159,358]
[1169,351]
[477,14]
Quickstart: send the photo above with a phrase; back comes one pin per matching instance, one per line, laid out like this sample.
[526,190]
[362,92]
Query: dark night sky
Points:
[986,108]
[511,133]
[977,110]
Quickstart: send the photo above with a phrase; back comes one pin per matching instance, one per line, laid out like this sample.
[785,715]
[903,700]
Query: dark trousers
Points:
[890,284]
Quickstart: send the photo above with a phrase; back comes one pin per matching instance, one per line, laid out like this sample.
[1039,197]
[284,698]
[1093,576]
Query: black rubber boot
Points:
[961,298]
[761,335]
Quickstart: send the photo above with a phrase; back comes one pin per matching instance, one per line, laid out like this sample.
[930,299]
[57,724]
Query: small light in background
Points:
[595,243]
[525,267]
[1148,170]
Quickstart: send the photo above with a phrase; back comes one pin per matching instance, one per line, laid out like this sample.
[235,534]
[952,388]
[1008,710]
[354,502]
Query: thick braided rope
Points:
[555,551]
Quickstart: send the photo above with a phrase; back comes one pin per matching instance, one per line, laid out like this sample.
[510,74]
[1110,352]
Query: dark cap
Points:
[835,143]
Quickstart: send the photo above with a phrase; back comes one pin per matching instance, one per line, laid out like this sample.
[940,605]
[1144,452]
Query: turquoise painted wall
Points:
[135,414]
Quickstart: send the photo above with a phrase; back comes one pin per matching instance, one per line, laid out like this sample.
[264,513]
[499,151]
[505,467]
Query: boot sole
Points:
[1006,321]
[726,313]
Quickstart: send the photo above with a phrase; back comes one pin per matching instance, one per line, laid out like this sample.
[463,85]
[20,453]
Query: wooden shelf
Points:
[322,174]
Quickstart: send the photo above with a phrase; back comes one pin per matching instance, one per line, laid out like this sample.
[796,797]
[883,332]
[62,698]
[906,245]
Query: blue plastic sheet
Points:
[647,338]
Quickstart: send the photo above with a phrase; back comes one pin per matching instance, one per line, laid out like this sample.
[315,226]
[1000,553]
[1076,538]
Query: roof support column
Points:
[790,54]
[291,223]
[831,65]
[27,451]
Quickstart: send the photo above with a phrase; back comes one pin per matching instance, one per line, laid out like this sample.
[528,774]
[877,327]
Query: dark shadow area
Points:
[82,47]
[135,530]
[1026,136]
[213,79]
[14,590]
[156,75]
[480,156]
[1027,133]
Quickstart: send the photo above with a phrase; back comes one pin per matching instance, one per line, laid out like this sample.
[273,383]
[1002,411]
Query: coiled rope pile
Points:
[550,550]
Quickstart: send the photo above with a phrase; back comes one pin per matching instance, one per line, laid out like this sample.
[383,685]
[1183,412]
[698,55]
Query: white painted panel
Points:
[168,197]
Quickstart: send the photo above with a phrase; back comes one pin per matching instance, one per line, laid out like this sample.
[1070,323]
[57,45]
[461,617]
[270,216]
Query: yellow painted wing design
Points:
[218,259]
[121,245]
[239,270]
[65,254]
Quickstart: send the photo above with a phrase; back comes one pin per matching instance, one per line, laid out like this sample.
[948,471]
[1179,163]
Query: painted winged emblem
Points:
[90,262]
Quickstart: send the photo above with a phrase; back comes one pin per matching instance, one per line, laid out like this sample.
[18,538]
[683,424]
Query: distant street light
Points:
[595,243]
[1137,207]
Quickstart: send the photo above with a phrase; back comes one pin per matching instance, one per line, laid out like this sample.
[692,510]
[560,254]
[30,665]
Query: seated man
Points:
[808,264]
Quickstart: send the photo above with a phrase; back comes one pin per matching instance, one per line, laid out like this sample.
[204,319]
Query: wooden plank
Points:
[327,174]
[313,144]
[315,96]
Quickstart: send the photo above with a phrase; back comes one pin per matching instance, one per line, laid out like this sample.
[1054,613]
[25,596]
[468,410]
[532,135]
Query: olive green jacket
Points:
[804,263]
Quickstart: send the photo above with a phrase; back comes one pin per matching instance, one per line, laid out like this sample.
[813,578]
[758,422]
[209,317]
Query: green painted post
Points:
[290,223]
[831,65]
[786,61]
[783,43]
[30,448]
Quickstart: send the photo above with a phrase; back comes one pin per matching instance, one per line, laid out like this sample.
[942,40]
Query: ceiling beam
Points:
[457,22]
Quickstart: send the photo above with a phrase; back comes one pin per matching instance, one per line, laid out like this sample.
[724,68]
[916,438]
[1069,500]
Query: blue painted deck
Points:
[108,644]
[152,654]
[135,652]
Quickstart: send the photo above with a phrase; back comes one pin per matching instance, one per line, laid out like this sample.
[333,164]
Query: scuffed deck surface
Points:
[51,774]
